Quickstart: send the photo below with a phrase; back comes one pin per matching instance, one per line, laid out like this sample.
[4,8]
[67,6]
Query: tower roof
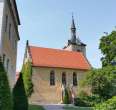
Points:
[74,39]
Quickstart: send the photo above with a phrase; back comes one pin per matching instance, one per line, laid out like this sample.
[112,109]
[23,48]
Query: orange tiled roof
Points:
[47,57]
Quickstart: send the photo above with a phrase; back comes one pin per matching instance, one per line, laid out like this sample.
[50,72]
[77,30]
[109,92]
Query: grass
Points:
[36,107]
[77,108]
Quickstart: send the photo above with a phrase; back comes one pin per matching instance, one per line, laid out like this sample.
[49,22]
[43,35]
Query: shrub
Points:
[85,100]
[108,105]
[80,102]
[82,94]
[66,99]
[93,100]
[19,95]
[5,95]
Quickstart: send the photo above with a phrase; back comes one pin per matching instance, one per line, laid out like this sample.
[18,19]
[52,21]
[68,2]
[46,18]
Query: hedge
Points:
[5,93]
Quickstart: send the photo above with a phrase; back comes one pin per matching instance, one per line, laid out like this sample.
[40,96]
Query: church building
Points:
[53,70]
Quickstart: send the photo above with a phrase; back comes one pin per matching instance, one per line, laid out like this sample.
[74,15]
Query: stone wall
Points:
[43,92]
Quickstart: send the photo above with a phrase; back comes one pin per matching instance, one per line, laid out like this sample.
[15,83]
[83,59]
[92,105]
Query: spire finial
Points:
[72,16]
[73,31]
[73,23]
[27,43]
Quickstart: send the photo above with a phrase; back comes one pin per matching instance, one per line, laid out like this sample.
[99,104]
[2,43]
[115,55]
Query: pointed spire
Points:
[73,31]
[73,23]
[27,43]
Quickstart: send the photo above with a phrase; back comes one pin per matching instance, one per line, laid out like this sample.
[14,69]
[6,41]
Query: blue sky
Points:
[46,23]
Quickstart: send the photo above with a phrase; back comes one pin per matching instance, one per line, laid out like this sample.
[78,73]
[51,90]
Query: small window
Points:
[74,79]
[9,31]
[52,78]
[64,78]
[6,22]
[7,66]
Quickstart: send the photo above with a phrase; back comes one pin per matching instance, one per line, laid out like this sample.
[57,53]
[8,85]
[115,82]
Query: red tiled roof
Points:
[47,57]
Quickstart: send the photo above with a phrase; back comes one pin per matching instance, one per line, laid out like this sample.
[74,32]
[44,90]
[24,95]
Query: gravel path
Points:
[53,107]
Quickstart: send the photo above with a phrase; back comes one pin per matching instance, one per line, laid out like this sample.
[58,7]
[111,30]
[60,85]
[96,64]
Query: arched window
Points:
[74,79]
[52,78]
[64,78]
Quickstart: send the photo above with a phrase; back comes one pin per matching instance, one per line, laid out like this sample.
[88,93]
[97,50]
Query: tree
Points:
[5,94]
[101,81]
[19,95]
[108,48]
[27,78]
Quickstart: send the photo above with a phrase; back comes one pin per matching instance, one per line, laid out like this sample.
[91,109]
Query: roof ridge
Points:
[56,49]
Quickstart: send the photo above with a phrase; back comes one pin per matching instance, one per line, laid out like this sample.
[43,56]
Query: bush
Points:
[84,100]
[82,94]
[93,100]
[108,105]
[19,95]
[5,94]
[80,102]
[66,99]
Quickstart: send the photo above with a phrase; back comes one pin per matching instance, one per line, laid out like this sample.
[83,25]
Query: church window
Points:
[74,79]
[64,78]
[52,78]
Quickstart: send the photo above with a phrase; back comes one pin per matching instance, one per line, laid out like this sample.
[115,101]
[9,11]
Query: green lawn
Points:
[77,108]
[35,107]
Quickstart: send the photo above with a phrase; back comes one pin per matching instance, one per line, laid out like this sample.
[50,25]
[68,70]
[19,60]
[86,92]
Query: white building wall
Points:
[1,16]
[9,46]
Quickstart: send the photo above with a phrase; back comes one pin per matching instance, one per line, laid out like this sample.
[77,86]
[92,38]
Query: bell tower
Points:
[74,43]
